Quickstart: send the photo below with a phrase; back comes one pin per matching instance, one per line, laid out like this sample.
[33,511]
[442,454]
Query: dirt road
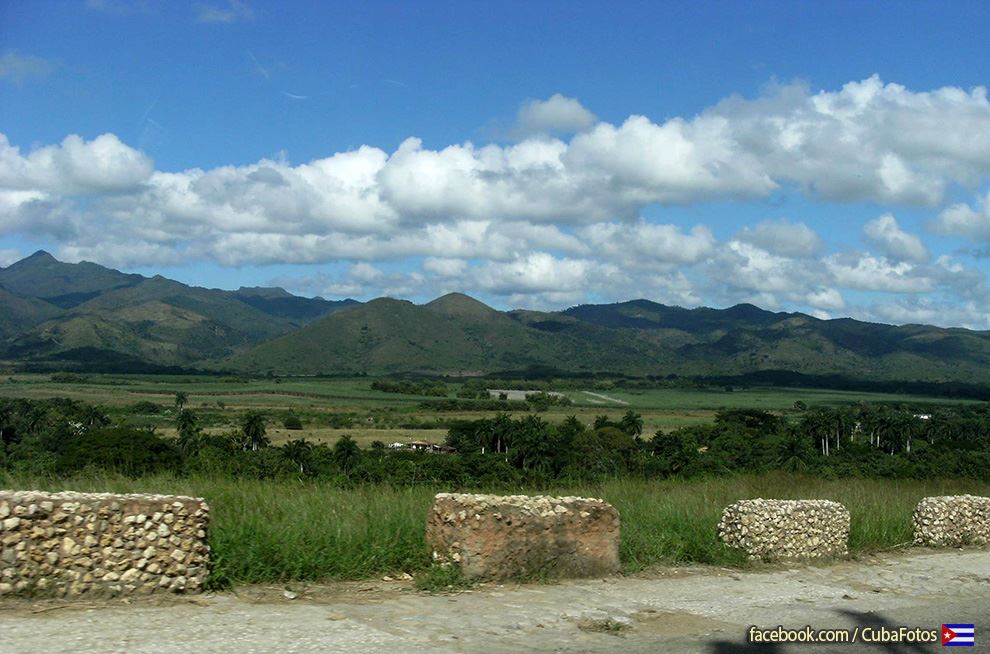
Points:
[683,610]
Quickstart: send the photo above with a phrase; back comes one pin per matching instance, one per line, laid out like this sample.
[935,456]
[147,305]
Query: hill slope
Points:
[456,334]
[68,314]
[63,315]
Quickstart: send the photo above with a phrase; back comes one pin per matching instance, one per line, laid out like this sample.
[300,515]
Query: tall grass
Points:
[277,531]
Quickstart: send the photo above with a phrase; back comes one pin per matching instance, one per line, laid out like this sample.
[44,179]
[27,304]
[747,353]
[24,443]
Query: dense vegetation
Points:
[301,511]
[60,436]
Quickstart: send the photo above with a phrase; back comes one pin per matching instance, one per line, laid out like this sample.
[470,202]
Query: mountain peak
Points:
[40,255]
[39,258]
[264,291]
[459,304]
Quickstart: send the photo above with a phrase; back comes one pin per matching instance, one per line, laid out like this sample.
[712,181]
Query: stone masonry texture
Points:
[786,529]
[68,544]
[499,537]
[952,521]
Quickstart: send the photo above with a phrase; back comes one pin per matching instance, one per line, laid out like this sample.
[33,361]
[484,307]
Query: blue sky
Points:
[832,158]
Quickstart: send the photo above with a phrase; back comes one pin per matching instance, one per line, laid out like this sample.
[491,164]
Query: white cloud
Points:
[783,238]
[744,266]
[8,256]
[74,167]
[869,273]
[886,235]
[537,272]
[365,272]
[551,218]
[928,311]
[869,140]
[231,12]
[648,244]
[826,299]
[19,68]
[965,220]
[445,267]
[555,114]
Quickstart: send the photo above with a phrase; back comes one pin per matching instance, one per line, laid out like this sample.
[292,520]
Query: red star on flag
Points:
[947,635]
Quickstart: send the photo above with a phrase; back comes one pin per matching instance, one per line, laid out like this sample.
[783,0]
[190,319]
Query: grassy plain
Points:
[221,400]
[282,531]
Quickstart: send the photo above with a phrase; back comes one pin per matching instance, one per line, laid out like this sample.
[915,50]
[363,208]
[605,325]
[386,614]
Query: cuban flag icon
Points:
[958,635]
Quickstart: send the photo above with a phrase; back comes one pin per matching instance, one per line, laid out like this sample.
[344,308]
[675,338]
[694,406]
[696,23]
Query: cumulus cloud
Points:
[869,140]
[886,235]
[648,244]
[74,167]
[537,272]
[929,311]
[19,68]
[783,238]
[445,267]
[557,113]
[870,273]
[9,256]
[826,299]
[550,217]
[965,220]
[746,273]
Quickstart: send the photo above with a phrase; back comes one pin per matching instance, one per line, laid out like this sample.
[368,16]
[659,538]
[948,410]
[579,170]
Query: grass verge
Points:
[279,531]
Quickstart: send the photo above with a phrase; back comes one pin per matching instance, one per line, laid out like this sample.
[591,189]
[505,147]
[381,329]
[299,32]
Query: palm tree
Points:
[631,423]
[94,417]
[299,452]
[189,434]
[346,453]
[180,400]
[254,430]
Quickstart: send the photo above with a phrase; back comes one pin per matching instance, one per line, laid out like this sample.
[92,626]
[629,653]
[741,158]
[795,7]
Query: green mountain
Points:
[456,334]
[61,315]
[77,314]
[65,285]
[20,313]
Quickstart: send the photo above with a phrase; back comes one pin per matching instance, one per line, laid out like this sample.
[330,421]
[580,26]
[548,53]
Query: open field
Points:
[219,400]
[266,531]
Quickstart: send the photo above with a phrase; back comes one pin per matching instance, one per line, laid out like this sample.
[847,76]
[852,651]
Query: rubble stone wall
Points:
[786,529]
[952,521]
[499,537]
[74,543]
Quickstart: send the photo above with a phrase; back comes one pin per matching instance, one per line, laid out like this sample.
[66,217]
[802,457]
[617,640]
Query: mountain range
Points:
[58,315]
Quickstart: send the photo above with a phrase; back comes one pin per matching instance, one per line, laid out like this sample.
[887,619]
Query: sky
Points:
[829,158]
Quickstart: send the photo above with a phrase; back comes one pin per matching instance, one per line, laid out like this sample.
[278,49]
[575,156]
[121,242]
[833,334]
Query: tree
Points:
[189,433]
[180,400]
[631,423]
[300,453]
[536,445]
[253,428]
[346,453]
[94,418]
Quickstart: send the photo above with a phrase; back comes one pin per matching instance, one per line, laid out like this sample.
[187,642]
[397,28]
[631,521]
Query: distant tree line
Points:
[61,436]
[407,387]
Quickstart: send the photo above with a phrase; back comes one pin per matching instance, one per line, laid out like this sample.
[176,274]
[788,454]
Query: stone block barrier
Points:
[952,521]
[499,537]
[67,544]
[786,529]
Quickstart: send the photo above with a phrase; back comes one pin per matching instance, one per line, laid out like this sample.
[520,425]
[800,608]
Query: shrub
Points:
[129,451]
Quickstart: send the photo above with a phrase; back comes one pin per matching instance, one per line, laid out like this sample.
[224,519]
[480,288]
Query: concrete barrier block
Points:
[786,529]
[498,537]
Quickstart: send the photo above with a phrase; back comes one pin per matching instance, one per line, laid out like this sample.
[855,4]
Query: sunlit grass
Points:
[274,531]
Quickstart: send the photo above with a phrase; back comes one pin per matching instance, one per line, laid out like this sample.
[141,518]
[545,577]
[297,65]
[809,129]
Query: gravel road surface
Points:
[687,610]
